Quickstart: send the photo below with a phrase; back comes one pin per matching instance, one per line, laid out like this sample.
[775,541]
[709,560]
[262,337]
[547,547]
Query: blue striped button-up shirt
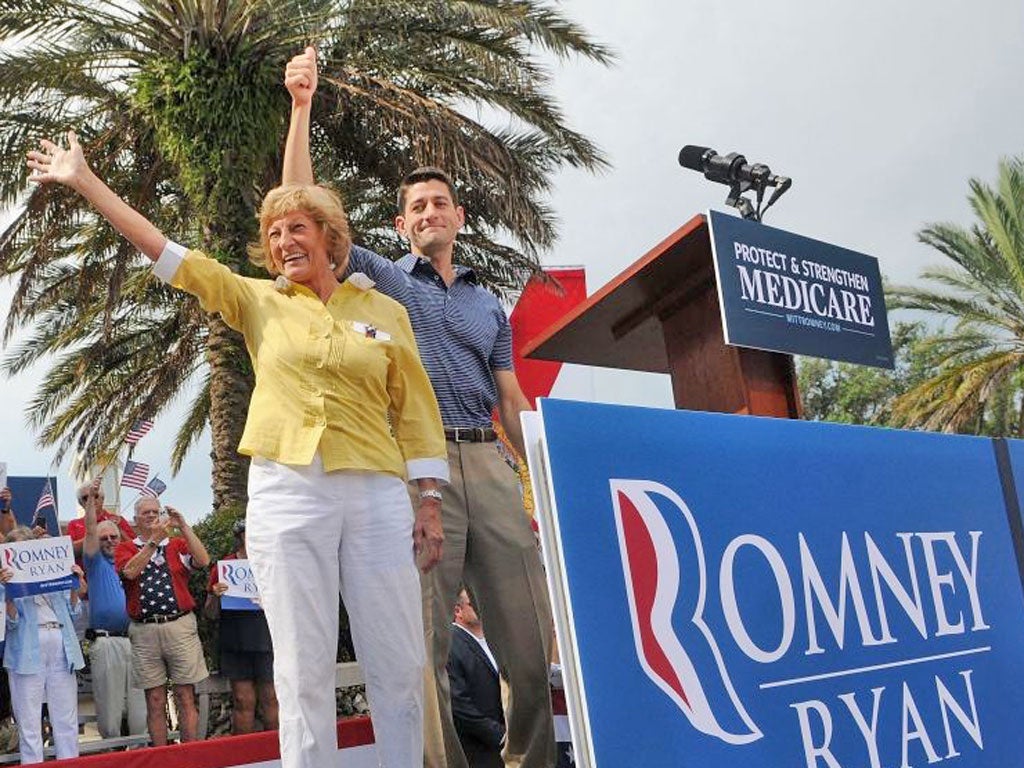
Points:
[461,330]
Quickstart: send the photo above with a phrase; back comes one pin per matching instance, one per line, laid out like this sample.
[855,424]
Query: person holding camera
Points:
[154,569]
[110,652]
[246,651]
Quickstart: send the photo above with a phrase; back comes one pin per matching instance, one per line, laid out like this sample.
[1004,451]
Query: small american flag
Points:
[46,499]
[154,488]
[135,474]
[138,431]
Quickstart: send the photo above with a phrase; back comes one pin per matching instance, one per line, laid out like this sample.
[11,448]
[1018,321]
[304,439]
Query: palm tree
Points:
[180,106]
[982,294]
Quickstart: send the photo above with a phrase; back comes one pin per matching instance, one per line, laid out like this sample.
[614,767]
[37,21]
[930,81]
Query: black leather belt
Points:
[92,634]
[471,435]
[162,618]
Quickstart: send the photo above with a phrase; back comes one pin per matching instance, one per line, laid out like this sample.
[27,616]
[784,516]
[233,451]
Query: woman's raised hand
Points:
[66,165]
[54,163]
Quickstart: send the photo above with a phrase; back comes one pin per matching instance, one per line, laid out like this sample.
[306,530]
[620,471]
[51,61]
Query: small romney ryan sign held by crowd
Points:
[242,594]
[39,565]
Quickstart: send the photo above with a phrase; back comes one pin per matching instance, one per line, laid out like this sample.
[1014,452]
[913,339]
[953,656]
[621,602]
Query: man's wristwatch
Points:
[431,493]
[152,544]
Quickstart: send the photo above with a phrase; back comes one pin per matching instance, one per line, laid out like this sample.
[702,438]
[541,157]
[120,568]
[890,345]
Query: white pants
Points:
[56,686]
[309,535]
[111,662]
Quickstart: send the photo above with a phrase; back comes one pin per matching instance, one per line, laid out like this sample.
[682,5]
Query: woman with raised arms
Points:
[341,415]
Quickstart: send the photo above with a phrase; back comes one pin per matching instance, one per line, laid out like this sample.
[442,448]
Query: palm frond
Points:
[981,294]
[180,107]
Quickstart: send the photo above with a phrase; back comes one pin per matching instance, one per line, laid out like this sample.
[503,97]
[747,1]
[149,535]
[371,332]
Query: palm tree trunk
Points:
[231,384]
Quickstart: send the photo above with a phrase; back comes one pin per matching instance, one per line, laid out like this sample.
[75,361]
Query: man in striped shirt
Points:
[465,342]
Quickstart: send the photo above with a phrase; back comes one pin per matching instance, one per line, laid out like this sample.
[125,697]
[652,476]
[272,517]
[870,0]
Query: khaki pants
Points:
[490,546]
[111,662]
[167,651]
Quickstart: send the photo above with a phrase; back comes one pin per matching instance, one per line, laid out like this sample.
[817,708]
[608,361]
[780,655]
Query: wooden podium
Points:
[662,315]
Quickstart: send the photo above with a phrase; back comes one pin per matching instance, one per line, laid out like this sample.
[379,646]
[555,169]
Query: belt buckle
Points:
[459,431]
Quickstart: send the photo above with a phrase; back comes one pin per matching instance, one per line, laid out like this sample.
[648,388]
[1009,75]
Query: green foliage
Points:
[181,110]
[218,152]
[858,394]
[215,531]
[980,294]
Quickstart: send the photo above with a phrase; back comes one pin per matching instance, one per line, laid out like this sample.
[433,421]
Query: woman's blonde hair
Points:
[321,204]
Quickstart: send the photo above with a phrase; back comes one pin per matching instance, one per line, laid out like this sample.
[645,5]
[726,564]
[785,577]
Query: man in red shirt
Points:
[76,528]
[154,569]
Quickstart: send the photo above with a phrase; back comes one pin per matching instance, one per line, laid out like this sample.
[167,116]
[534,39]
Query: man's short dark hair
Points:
[469,595]
[421,174]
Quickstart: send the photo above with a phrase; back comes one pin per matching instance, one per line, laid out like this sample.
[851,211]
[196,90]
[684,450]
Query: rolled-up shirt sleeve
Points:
[170,259]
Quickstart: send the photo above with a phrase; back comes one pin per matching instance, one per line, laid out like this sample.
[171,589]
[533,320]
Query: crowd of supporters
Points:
[130,627]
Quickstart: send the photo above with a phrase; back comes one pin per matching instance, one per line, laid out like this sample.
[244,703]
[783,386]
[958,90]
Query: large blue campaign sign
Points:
[787,293]
[736,591]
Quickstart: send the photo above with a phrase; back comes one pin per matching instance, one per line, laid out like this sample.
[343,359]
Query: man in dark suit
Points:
[475,689]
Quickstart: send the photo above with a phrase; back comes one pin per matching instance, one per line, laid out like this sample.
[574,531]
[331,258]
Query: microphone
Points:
[725,169]
[741,176]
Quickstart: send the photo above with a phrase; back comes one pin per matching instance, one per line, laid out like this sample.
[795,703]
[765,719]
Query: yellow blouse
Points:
[343,378]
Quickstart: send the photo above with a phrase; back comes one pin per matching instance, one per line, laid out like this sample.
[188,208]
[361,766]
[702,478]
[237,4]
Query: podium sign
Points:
[737,591]
[787,293]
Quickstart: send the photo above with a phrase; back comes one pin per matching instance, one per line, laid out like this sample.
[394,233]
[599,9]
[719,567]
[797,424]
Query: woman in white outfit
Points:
[41,656]
[341,415]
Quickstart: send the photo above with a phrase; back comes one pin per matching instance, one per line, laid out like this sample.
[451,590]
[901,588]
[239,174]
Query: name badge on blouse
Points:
[370,331]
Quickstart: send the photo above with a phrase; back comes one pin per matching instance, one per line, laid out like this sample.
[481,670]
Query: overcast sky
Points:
[880,111]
